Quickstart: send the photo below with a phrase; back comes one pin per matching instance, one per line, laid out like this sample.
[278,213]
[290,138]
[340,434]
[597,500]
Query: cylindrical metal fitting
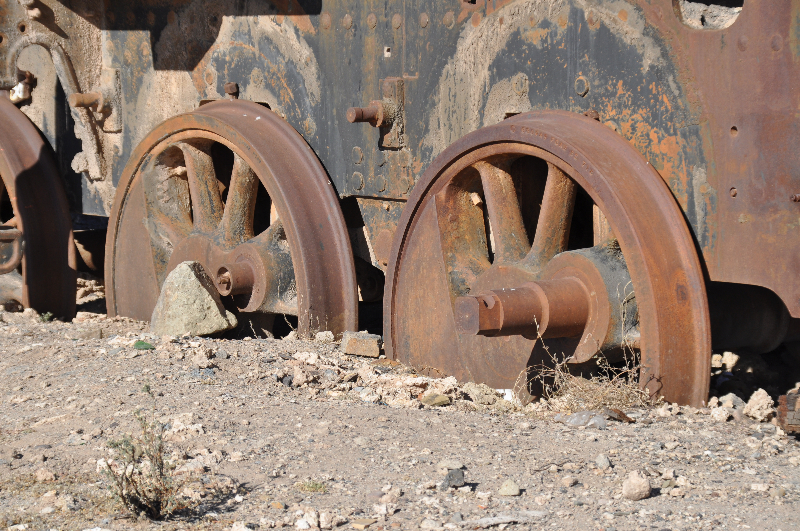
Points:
[374,114]
[795,198]
[547,308]
[235,279]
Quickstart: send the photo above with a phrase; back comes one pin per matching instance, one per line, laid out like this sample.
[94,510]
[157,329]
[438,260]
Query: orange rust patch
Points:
[476,19]
[535,36]
[562,21]
[623,15]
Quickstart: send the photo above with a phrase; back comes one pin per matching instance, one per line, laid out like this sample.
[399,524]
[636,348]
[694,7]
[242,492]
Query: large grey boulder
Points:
[189,304]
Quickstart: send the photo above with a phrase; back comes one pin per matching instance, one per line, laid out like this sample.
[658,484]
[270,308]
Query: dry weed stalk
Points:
[142,479]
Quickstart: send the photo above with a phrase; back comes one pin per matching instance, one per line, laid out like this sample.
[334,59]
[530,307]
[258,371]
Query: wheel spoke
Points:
[555,218]
[237,221]
[207,205]
[505,217]
[601,229]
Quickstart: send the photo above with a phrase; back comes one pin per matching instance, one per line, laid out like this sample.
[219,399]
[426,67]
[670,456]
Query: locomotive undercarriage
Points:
[594,177]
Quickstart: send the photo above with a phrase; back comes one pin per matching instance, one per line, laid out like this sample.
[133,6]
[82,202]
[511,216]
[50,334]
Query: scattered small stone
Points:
[242,526]
[302,524]
[602,462]
[569,481]
[429,524]
[759,487]
[324,337]
[636,487]
[509,488]
[362,523]
[361,344]
[720,414]
[189,303]
[277,505]
[435,400]
[43,475]
[446,465]
[760,407]
[453,479]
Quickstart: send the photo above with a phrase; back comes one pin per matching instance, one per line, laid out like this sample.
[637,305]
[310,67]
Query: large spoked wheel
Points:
[236,188]
[37,252]
[547,224]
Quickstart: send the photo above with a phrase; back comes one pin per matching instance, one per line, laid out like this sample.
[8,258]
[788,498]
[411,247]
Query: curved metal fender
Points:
[657,244]
[30,174]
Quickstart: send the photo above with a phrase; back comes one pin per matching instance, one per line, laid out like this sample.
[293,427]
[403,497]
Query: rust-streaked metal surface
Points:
[31,179]
[712,109]
[442,251]
[789,411]
[170,208]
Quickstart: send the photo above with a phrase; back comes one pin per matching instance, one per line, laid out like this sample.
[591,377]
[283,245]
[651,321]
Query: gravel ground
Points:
[290,433]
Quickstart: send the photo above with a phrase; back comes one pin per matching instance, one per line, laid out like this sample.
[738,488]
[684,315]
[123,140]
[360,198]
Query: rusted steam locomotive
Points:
[608,174]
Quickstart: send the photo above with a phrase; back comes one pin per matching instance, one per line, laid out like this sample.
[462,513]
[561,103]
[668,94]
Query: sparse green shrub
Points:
[141,477]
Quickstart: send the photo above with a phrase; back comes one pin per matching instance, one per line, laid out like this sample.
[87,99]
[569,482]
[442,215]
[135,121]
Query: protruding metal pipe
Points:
[374,114]
[235,279]
[550,308]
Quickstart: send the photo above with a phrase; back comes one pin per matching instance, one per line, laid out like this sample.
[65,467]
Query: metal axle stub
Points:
[548,308]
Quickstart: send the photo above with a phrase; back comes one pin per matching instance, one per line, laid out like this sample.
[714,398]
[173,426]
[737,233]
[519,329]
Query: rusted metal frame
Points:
[30,176]
[10,237]
[660,254]
[86,127]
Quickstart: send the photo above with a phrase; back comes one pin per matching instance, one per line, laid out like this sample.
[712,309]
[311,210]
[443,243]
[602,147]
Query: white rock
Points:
[312,517]
[760,406]
[189,303]
[302,524]
[307,357]
[759,487]
[324,337]
[325,521]
[509,488]
[729,360]
[241,526]
[720,414]
[636,487]
[429,524]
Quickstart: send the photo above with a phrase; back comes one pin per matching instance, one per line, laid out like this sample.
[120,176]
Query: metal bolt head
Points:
[325,20]
[795,198]
[231,88]
[734,192]
[449,19]
[357,155]
[581,86]
[347,21]
[397,21]
[372,20]
[424,19]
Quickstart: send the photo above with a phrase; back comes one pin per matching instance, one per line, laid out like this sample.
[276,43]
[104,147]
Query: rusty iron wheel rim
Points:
[46,278]
[641,212]
[268,160]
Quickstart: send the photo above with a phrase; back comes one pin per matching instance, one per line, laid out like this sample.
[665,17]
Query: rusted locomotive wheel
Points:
[37,226]
[236,188]
[516,230]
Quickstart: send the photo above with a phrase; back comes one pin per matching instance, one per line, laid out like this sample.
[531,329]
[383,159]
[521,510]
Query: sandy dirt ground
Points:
[295,434]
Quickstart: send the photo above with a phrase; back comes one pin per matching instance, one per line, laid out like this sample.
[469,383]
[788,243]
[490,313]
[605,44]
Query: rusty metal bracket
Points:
[388,114]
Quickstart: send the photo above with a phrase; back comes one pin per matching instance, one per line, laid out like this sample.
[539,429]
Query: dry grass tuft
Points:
[607,387]
[142,479]
[312,486]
